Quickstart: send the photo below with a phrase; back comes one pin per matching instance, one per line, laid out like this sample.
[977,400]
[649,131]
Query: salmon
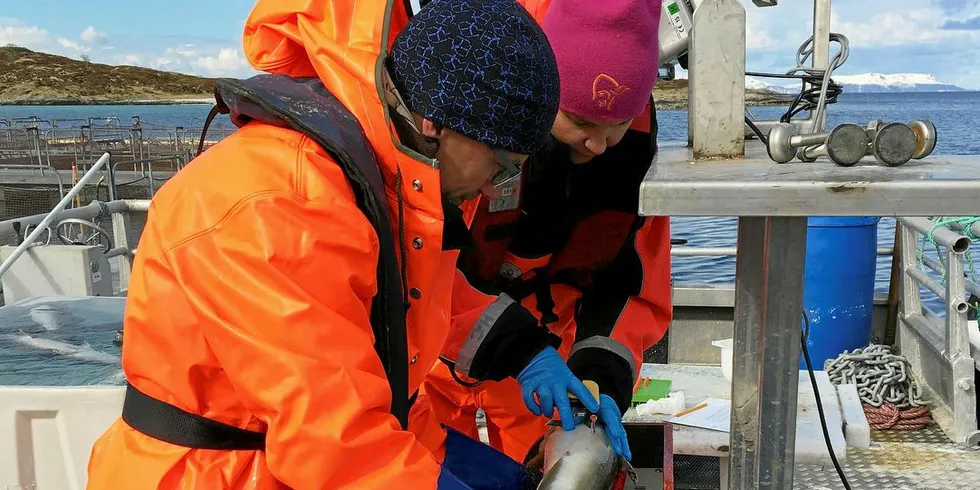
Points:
[582,459]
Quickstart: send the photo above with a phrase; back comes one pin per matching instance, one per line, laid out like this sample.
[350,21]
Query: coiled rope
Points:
[889,416]
[890,396]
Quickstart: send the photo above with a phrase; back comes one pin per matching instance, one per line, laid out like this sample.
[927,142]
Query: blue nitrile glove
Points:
[613,421]
[473,465]
[548,376]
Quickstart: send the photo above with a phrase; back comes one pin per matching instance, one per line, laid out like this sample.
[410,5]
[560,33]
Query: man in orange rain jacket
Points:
[268,344]
[575,256]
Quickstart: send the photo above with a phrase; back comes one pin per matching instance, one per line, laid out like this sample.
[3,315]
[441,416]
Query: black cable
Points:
[755,129]
[204,131]
[816,395]
[807,98]
[774,75]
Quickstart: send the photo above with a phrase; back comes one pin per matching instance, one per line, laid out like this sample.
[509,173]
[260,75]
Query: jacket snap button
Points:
[417,184]
[417,243]
[415,293]
[415,359]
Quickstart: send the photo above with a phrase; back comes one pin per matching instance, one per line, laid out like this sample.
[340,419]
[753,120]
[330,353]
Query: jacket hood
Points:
[342,43]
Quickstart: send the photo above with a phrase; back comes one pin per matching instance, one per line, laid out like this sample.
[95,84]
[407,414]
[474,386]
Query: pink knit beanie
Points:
[607,53]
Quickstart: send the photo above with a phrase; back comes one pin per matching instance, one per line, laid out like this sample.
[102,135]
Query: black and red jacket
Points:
[577,249]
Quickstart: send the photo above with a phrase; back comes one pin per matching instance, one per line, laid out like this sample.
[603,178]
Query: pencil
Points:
[696,407]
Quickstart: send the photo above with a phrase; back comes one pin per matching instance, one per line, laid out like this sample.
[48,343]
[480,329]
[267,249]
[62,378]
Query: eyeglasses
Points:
[509,170]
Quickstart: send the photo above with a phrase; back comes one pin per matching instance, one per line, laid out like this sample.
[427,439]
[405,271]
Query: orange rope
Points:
[888,416]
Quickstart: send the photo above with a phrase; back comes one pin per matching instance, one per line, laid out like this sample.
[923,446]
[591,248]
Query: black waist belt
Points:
[165,422]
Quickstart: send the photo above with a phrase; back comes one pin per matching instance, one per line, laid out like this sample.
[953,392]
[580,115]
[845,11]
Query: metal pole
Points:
[958,341]
[973,287]
[717,101]
[911,294]
[29,240]
[894,291]
[974,228]
[821,49]
[703,251]
[686,251]
[746,373]
[942,235]
[120,236]
[765,380]
[934,286]
[88,211]
[962,365]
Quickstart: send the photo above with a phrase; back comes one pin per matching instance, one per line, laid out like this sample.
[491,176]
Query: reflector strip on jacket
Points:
[607,344]
[479,333]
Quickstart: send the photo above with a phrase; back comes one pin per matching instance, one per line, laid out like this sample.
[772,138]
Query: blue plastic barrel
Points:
[838,285]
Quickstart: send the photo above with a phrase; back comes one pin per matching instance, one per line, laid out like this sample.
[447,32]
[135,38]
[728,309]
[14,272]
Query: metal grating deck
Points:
[923,459]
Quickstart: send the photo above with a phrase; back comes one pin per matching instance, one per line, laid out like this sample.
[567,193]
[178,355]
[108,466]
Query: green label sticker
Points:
[672,9]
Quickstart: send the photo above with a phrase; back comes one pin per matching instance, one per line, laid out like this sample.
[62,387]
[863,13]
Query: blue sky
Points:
[939,37]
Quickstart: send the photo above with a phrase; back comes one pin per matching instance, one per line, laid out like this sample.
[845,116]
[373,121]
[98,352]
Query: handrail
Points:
[688,251]
[945,358]
[942,235]
[89,211]
[974,228]
[43,225]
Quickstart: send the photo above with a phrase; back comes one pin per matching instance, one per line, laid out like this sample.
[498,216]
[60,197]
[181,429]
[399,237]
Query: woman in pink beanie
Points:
[608,55]
[572,285]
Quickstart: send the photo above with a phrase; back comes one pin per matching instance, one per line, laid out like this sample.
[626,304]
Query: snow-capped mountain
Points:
[896,82]
[866,83]
[752,83]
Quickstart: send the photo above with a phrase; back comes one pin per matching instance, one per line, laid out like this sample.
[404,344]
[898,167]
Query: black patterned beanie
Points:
[482,68]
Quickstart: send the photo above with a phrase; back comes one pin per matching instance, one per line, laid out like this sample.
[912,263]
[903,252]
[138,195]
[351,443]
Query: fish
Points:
[581,459]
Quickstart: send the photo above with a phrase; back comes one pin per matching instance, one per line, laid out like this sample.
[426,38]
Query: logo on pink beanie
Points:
[605,89]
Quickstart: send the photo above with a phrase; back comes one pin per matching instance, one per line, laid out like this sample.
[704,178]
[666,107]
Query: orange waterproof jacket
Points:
[250,296]
[576,257]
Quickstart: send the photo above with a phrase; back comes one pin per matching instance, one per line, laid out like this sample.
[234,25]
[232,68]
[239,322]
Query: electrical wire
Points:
[822,89]
[758,133]
[816,394]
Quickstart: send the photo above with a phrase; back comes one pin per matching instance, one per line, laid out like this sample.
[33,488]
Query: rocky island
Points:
[33,78]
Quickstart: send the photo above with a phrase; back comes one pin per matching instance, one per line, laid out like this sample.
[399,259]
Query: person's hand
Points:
[548,377]
[613,421]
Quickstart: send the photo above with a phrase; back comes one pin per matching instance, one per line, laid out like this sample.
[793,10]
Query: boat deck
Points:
[906,460]
[913,460]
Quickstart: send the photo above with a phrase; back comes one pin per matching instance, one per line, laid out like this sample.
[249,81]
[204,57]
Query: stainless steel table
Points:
[772,202]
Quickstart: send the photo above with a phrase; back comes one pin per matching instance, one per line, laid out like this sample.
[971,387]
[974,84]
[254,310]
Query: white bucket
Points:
[726,357]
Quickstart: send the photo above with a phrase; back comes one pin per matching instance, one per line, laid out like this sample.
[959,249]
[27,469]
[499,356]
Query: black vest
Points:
[306,106]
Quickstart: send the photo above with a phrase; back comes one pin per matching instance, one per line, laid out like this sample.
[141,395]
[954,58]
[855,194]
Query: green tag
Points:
[654,390]
[672,9]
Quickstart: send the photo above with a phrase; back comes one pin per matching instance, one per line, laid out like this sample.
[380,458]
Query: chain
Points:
[880,376]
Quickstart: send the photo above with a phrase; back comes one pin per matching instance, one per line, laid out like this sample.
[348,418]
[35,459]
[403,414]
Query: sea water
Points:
[87,355]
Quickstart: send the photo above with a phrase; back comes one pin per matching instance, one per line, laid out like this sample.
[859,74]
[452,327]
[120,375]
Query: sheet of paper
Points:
[715,416]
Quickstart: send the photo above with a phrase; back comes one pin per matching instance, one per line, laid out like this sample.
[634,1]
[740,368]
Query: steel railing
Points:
[939,348]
